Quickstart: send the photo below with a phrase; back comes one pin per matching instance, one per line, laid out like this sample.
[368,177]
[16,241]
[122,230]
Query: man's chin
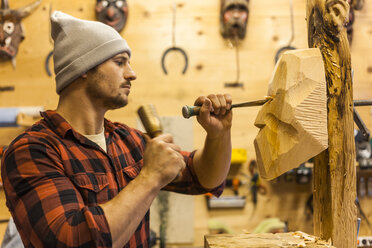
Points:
[117,104]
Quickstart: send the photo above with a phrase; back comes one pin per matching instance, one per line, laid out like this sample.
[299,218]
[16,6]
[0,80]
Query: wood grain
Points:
[334,170]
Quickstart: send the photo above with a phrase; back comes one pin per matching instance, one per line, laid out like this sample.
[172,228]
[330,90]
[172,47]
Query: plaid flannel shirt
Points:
[54,180]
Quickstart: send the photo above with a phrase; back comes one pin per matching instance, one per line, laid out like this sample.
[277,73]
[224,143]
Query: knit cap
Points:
[80,45]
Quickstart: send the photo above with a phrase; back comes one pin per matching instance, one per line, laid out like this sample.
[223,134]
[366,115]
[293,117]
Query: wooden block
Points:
[293,126]
[266,240]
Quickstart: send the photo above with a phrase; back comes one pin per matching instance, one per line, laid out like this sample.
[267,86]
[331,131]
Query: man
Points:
[75,179]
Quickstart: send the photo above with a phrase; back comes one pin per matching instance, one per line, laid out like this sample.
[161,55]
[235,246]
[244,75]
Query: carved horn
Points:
[25,11]
[4,4]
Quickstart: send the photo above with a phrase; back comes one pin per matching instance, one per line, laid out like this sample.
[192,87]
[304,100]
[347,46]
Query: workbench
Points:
[264,240]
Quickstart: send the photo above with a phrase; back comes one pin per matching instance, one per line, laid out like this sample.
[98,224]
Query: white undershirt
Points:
[99,139]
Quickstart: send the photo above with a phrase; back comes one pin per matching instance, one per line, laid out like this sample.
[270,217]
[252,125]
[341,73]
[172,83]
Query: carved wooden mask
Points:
[113,13]
[11,32]
[293,126]
[233,18]
[354,5]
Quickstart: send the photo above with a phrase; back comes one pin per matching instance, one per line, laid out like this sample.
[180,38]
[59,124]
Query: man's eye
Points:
[119,63]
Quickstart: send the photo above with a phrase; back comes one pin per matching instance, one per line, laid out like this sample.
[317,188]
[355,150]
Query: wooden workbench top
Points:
[264,240]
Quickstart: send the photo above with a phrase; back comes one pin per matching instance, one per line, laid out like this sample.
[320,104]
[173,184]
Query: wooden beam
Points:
[335,213]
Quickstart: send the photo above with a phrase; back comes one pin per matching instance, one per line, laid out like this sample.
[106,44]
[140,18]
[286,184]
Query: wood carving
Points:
[267,240]
[11,32]
[233,18]
[113,13]
[293,126]
[335,214]
[354,5]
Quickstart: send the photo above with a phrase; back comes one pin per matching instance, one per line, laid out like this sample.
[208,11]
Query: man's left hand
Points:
[215,114]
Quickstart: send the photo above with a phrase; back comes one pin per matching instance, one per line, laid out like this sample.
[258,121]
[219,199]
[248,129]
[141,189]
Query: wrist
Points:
[149,181]
[226,133]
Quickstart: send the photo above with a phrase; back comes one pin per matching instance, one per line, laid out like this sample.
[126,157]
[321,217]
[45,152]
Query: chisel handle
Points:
[188,111]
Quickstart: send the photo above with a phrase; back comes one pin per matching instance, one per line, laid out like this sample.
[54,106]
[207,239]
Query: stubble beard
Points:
[95,91]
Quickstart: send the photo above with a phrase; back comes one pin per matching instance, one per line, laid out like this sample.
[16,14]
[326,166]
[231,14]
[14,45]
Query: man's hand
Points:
[162,159]
[215,115]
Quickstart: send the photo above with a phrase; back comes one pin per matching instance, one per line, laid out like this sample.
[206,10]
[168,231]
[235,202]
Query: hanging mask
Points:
[113,13]
[233,18]
[354,5]
[11,32]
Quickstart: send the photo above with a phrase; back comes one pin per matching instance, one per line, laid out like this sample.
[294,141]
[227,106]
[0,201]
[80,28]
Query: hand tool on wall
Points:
[233,26]
[234,184]
[50,54]
[188,111]
[289,46]
[236,83]
[256,185]
[174,47]
[358,120]
[364,216]
[6,88]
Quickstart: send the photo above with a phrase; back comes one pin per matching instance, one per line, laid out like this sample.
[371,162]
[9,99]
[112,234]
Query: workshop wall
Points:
[211,65]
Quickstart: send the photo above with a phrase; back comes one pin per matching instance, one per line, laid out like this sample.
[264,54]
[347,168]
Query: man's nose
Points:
[129,74]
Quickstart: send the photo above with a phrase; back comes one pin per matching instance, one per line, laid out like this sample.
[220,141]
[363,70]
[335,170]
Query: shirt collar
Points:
[60,126]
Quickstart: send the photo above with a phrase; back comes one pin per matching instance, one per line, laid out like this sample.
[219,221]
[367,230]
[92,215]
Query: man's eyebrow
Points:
[121,57]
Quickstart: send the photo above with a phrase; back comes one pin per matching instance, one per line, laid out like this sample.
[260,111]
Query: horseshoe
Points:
[281,50]
[47,63]
[174,49]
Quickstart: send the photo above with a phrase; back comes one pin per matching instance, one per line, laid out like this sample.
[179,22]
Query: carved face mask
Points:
[354,5]
[233,18]
[287,123]
[113,13]
[11,33]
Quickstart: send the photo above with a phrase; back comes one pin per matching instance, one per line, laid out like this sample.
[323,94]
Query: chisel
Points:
[188,111]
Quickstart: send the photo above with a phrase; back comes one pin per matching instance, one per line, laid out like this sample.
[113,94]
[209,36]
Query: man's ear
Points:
[338,12]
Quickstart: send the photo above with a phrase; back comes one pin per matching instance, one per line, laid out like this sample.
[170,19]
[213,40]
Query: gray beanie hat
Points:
[80,45]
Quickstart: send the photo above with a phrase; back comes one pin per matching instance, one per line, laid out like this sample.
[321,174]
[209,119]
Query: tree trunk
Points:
[335,214]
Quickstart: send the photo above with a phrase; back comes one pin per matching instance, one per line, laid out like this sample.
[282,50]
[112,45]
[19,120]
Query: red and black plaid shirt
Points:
[54,178]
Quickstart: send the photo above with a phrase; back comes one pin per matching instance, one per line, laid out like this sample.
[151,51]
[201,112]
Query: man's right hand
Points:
[162,159]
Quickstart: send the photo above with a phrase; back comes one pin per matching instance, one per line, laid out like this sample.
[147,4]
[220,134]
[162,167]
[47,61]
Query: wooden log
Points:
[293,126]
[264,240]
[335,214]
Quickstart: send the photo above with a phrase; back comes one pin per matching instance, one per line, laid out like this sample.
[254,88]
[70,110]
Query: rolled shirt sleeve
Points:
[188,182]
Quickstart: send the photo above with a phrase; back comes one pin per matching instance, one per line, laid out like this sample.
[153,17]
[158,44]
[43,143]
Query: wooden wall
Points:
[212,63]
